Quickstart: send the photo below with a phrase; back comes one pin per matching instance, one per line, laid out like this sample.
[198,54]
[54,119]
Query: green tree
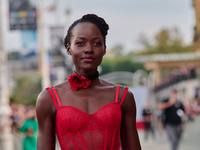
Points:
[126,64]
[14,55]
[165,41]
[123,63]
[117,50]
[106,66]
[26,90]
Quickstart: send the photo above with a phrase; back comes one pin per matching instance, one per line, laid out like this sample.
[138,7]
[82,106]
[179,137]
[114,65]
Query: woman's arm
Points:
[46,129]
[129,134]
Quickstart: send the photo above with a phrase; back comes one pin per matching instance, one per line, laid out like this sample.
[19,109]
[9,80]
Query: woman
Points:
[87,112]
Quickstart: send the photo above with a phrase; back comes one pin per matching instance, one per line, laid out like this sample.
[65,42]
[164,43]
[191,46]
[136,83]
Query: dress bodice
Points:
[77,130]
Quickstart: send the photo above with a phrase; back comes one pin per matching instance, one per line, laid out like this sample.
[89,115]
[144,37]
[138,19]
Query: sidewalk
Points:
[190,139]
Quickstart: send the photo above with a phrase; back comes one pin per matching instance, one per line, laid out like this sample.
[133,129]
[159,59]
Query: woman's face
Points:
[87,47]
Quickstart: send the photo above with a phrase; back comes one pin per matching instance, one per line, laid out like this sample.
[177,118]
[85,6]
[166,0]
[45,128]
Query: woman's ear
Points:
[104,51]
[68,49]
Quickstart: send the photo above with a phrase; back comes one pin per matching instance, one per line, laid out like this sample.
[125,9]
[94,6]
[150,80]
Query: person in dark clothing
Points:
[147,114]
[174,111]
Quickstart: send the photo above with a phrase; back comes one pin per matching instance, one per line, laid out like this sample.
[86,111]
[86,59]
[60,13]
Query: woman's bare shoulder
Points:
[129,102]
[129,97]
[44,102]
[107,83]
[62,86]
[43,95]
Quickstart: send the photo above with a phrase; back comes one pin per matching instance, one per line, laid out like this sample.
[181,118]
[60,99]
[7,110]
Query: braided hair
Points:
[92,18]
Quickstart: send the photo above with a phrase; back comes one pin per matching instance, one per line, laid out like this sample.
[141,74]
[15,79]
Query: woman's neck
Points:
[85,72]
[91,76]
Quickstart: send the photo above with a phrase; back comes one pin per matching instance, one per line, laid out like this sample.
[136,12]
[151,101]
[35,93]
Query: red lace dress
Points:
[77,130]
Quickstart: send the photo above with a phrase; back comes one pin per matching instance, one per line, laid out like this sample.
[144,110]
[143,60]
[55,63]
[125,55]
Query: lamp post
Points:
[43,57]
[6,139]
[196,40]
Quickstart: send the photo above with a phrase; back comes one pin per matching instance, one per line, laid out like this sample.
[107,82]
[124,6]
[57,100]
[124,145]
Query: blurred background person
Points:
[29,127]
[191,110]
[147,114]
[174,111]
[18,113]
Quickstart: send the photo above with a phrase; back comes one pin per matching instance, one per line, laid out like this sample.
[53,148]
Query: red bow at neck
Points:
[77,81]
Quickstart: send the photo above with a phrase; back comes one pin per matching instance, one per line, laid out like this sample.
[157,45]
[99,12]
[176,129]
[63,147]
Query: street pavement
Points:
[190,138]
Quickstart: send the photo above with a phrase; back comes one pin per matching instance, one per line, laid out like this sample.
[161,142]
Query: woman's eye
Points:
[97,43]
[80,43]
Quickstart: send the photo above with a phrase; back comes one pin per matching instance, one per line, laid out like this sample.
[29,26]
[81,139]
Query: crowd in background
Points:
[23,126]
[192,108]
[154,119]
[176,76]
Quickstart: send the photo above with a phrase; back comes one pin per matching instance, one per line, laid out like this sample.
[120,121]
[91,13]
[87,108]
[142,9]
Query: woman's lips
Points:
[89,59]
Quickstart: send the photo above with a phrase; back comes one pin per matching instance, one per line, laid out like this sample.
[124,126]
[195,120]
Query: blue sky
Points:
[127,19]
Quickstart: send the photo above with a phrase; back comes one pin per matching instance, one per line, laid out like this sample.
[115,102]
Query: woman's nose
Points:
[89,49]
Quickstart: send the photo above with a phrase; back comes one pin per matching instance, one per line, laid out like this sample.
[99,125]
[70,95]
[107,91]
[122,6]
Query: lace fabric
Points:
[77,130]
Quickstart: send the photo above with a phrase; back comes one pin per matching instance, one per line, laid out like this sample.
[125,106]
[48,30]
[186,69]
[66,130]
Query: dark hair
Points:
[92,18]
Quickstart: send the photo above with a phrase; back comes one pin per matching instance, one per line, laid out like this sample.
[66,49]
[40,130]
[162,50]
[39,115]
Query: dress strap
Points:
[124,96]
[117,94]
[53,92]
[57,97]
